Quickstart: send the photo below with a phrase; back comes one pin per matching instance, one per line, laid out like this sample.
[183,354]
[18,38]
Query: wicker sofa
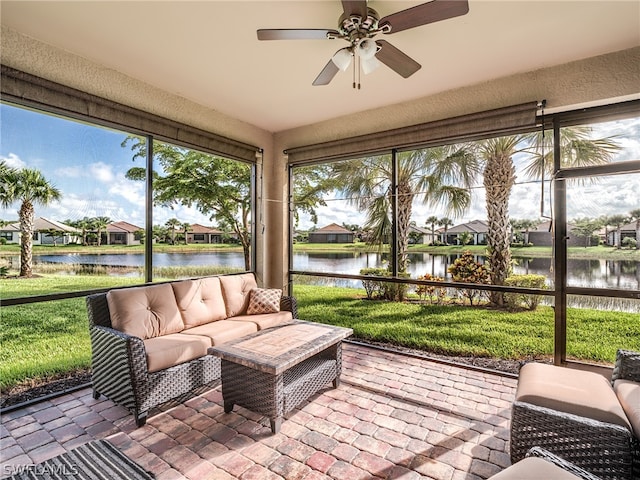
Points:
[149,344]
[580,416]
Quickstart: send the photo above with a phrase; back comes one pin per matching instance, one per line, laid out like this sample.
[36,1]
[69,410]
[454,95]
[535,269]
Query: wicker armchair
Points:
[604,449]
[541,464]
[119,365]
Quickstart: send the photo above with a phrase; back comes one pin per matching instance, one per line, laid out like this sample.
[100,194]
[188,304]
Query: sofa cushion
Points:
[628,394]
[200,301]
[568,390]
[223,330]
[266,320]
[235,290]
[534,468]
[264,300]
[145,312]
[169,350]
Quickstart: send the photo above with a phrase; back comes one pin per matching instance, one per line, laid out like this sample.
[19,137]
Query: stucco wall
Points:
[587,81]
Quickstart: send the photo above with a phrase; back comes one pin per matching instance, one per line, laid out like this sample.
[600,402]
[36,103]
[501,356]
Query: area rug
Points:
[97,460]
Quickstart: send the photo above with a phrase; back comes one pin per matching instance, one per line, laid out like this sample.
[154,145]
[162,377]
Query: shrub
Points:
[515,301]
[384,290]
[466,269]
[435,294]
[629,242]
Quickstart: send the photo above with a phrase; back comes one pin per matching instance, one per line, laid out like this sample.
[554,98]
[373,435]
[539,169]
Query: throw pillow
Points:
[264,300]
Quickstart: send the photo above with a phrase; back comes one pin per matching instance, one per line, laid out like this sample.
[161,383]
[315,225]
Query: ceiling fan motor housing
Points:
[354,28]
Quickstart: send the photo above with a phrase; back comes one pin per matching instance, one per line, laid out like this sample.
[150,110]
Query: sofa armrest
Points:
[627,366]
[290,304]
[564,464]
[118,364]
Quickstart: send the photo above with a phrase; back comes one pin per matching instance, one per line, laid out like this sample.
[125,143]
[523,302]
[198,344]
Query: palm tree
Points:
[432,220]
[635,215]
[29,187]
[440,175]
[100,224]
[186,226]
[172,225]
[445,222]
[576,150]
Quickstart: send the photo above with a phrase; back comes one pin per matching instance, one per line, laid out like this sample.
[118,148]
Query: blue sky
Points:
[88,165]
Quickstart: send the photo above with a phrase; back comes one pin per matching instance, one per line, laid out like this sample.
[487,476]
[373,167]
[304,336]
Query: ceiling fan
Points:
[359,25]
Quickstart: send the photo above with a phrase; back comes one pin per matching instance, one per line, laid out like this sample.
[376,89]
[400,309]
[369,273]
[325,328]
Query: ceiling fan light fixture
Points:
[342,59]
[367,48]
[369,64]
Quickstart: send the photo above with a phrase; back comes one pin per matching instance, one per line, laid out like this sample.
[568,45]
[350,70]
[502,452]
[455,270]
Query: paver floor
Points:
[393,416]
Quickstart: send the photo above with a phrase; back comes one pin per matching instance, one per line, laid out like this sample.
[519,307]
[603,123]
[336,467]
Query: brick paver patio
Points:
[393,416]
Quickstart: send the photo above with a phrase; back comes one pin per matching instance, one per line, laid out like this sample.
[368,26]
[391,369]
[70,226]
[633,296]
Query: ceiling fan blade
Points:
[429,12]
[355,7]
[326,75]
[397,61]
[296,34]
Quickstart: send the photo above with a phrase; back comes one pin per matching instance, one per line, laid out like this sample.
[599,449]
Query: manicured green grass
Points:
[592,335]
[44,339]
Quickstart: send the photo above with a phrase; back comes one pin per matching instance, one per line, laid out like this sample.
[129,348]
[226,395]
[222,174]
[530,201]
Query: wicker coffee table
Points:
[272,371]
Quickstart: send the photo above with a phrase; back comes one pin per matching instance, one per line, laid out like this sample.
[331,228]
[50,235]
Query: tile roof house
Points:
[201,234]
[123,233]
[45,232]
[477,228]
[332,233]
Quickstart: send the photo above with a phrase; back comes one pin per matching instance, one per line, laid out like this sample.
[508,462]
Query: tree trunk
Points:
[26,238]
[405,200]
[499,177]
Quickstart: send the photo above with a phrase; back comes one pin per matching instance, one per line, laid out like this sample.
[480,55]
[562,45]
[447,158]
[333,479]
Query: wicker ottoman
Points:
[575,415]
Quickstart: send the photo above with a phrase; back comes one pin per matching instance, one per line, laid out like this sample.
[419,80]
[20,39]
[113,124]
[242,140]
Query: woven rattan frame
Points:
[566,466]
[119,365]
[276,395]
[606,450]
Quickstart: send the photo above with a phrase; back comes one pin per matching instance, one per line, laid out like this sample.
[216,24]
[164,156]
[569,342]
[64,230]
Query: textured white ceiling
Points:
[207,51]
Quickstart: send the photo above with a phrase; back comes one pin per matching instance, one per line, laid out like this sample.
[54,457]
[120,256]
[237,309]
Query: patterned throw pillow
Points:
[264,300]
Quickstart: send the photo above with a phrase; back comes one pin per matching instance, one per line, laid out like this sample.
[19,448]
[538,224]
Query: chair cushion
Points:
[223,330]
[169,350]
[200,301]
[628,394]
[534,468]
[266,320]
[235,290]
[145,312]
[264,300]
[586,394]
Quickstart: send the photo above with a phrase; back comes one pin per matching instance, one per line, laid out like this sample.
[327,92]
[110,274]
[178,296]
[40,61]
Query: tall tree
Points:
[218,187]
[577,149]
[186,226]
[29,187]
[635,216]
[445,223]
[586,227]
[432,221]
[434,176]
[100,224]
[172,226]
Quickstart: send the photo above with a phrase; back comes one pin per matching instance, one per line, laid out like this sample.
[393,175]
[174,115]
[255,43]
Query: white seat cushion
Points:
[586,394]
[266,320]
[628,394]
[169,350]
[222,331]
[534,468]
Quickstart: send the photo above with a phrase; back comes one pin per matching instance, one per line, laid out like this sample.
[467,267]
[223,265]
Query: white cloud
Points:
[13,161]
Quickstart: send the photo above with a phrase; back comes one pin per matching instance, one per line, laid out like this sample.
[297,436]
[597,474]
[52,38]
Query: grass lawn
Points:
[42,340]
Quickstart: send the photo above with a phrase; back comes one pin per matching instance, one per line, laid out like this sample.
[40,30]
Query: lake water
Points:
[618,274]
